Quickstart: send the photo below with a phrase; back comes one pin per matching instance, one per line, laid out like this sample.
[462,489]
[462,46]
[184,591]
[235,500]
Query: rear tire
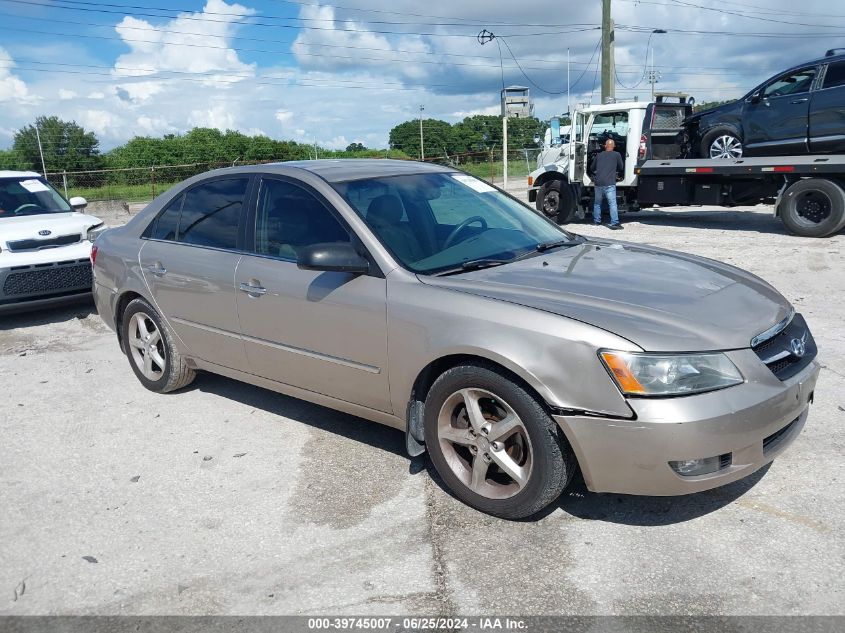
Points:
[493,443]
[813,207]
[557,201]
[150,349]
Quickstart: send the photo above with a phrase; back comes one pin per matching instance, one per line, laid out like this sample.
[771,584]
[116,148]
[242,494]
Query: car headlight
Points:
[95,231]
[647,374]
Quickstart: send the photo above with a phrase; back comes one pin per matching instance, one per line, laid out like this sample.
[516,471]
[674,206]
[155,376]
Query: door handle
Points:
[252,290]
[804,100]
[157,269]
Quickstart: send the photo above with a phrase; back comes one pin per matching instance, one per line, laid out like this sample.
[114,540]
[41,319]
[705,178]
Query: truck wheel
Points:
[813,207]
[721,144]
[556,201]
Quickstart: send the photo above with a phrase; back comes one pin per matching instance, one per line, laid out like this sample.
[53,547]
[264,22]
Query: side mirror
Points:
[756,97]
[339,257]
[77,203]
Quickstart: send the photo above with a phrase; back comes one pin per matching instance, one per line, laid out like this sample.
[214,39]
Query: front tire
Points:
[721,143]
[813,207]
[150,350]
[493,444]
[557,201]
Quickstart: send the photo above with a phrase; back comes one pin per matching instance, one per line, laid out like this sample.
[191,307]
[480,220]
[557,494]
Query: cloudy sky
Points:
[334,74]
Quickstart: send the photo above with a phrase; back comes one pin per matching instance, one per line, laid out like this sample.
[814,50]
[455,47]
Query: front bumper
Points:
[26,287]
[632,456]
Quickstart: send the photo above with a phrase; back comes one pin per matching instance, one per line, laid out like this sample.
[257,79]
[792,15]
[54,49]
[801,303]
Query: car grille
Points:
[31,245]
[779,353]
[49,278]
[771,442]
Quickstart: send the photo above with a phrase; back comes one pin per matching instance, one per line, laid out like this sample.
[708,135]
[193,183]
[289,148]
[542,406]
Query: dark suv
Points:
[799,111]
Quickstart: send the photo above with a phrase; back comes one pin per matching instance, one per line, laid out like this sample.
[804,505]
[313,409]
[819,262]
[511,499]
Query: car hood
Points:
[26,227]
[703,113]
[660,300]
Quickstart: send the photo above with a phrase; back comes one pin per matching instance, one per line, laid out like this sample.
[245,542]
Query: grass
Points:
[516,169]
[130,193]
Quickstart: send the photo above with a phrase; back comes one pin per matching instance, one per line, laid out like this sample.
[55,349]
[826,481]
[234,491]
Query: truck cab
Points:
[561,186]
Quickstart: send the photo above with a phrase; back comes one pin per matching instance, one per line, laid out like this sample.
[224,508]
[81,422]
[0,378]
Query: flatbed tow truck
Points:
[807,191]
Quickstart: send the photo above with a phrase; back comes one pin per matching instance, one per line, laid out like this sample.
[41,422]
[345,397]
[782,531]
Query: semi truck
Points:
[806,191]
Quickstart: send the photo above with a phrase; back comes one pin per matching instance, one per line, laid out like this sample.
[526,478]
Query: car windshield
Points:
[433,223]
[29,196]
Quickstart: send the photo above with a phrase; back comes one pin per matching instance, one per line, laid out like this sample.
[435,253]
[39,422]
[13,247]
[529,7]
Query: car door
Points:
[775,119]
[827,112]
[321,331]
[188,260]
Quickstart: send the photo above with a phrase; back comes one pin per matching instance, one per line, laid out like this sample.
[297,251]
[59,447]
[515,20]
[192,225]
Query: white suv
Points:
[45,243]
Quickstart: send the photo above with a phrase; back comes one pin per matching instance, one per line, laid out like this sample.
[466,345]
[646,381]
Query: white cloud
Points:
[283,116]
[12,88]
[96,95]
[488,110]
[185,44]
[66,95]
[217,116]
[100,121]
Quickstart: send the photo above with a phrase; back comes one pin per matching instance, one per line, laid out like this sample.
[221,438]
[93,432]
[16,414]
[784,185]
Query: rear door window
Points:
[167,223]
[835,75]
[211,213]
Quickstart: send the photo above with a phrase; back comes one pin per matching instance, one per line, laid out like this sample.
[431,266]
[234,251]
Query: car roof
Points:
[343,169]
[18,174]
[820,60]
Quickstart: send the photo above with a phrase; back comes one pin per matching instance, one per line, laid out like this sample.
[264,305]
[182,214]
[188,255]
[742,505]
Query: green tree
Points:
[706,105]
[356,147]
[438,138]
[66,145]
[9,159]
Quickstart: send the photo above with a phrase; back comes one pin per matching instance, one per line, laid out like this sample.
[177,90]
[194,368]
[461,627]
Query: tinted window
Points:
[289,217]
[791,84]
[211,213]
[168,221]
[835,75]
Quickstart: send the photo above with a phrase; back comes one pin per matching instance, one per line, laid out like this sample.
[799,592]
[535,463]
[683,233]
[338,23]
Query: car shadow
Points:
[576,501]
[74,309]
[648,511]
[719,219]
[348,426]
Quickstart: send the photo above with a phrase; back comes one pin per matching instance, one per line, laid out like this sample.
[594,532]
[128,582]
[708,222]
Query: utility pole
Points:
[608,88]
[422,148]
[568,102]
[505,151]
[40,151]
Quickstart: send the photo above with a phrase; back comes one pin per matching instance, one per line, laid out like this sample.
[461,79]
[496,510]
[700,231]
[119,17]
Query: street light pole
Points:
[422,147]
[40,151]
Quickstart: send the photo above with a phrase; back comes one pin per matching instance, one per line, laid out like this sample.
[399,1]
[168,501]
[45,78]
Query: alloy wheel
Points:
[485,443]
[146,346]
[726,146]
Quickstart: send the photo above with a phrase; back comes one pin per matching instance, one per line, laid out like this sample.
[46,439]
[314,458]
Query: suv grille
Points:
[781,353]
[30,245]
[48,279]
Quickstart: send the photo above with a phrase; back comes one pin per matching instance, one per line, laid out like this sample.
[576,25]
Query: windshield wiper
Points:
[544,246]
[473,264]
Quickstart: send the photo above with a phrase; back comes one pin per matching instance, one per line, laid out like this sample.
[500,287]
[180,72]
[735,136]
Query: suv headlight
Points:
[647,374]
[95,231]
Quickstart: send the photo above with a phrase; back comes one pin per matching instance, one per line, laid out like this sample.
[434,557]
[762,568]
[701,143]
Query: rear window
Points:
[668,117]
[835,75]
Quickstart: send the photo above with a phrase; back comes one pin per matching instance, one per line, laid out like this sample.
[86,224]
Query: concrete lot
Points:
[230,499]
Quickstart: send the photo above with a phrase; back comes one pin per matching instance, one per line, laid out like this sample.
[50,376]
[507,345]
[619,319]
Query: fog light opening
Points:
[701,465]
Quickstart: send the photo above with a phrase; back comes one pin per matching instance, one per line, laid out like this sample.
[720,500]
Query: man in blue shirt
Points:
[605,168]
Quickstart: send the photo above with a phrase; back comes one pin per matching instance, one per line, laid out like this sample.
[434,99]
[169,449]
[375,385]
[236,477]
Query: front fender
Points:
[556,356]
